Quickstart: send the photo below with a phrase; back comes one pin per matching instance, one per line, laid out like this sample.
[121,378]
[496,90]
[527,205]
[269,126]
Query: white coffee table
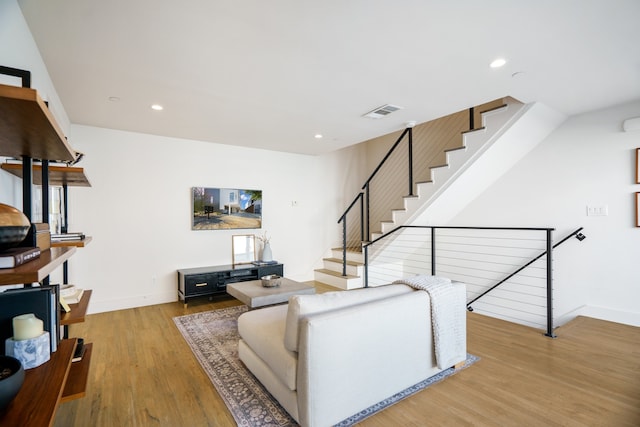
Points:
[254,295]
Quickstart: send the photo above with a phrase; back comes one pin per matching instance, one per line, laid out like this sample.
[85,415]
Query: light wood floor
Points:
[144,374]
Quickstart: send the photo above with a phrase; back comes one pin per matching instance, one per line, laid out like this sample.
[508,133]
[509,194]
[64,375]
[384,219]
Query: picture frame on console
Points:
[243,249]
[225,208]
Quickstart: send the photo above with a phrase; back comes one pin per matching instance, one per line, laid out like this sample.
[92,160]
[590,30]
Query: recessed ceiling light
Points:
[497,63]
[317,136]
[157,107]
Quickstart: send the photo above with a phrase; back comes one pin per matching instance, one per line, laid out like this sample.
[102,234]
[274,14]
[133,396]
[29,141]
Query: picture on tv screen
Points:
[225,208]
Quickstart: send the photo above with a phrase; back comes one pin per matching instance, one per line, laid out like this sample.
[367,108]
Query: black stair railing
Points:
[364,196]
[433,253]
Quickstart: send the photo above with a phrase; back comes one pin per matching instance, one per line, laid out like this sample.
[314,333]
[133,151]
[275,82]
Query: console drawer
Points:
[203,283]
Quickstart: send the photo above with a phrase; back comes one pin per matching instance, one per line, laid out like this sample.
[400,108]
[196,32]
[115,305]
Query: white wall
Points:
[19,50]
[138,211]
[588,160]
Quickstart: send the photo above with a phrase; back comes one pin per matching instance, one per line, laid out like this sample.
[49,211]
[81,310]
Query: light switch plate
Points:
[598,210]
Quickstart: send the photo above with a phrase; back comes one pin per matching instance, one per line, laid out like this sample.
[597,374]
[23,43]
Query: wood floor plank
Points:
[143,373]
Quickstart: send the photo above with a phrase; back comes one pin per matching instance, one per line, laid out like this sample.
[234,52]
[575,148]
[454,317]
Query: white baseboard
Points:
[98,306]
[619,316]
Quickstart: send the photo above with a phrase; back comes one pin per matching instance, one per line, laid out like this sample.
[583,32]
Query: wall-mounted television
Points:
[225,208]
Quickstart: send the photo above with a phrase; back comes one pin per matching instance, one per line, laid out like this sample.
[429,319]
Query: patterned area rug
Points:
[213,338]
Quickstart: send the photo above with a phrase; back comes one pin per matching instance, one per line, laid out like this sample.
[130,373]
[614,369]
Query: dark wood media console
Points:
[211,281]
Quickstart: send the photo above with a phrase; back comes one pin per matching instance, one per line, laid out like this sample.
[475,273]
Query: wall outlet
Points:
[294,203]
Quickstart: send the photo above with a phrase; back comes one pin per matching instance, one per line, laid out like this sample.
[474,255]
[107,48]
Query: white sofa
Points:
[328,356]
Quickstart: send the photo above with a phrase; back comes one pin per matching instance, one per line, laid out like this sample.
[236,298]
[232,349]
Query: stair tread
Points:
[338,260]
[474,130]
[336,273]
[445,165]
[462,147]
[499,107]
[354,249]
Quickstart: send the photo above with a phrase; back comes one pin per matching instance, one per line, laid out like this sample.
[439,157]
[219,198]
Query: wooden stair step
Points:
[339,261]
[336,273]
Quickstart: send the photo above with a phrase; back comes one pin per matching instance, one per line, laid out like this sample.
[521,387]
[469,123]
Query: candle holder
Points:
[31,352]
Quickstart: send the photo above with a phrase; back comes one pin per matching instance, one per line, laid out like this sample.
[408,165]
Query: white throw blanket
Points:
[447,306]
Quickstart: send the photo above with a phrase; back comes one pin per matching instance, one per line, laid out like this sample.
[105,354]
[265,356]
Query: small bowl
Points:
[271,281]
[11,379]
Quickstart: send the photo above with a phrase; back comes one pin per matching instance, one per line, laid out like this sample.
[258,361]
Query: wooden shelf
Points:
[77,243]
[78,311]
[27,127]
[58,175]
[38,269]
[76,384]
[38,399]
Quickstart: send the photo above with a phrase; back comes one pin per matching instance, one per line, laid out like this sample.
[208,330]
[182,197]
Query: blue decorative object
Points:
[32,352]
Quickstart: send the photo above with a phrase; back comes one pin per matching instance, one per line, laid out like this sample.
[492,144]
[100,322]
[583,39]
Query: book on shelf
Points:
[71,294]
[13,257]
[58,237]
[42,301]
[64,304]
[80,348]
[272,262]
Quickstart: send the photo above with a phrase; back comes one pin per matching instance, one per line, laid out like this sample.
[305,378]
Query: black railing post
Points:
[361,218]
[344,246]
[366,266]
[367,210]
[433,251]
[472,119]
[550,285]
[410,147]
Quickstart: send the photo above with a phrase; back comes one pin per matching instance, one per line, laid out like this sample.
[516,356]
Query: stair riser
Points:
[352,270]
[351,256]
[338,282]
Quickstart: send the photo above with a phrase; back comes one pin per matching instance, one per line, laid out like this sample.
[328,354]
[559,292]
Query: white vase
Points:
[266,252]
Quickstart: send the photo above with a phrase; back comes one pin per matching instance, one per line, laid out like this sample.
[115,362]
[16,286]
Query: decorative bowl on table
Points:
[14,226]
[271,281]
[11,379]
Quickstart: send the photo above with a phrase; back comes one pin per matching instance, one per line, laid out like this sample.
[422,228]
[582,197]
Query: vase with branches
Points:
[266,247]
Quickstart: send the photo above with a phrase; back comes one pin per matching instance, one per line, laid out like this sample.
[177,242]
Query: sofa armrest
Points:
[352,358]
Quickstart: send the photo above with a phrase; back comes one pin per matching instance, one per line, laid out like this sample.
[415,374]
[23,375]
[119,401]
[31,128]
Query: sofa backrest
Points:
[301,306]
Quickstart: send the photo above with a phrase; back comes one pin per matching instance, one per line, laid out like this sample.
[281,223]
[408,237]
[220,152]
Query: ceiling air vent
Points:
[380,112]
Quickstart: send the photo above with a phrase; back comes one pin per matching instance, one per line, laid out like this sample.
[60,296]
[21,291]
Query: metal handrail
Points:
[549,267]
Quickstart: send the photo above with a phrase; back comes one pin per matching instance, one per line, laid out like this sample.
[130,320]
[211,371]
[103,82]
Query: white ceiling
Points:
[272,74]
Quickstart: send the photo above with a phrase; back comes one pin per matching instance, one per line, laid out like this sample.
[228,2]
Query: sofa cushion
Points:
[263,331]
[304,305]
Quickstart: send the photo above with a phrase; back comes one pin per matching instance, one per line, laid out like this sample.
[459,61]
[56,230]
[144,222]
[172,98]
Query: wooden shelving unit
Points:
[76,385]
[78,311]
[28,127]
[38,269]
[41,392]
[74,243]
[29,131]
[58,175]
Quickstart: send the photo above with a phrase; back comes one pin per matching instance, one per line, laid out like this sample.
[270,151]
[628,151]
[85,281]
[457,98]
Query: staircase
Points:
[331,274]
[506,135]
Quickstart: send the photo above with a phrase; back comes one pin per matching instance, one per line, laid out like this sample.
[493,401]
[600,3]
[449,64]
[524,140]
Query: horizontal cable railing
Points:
[508,271]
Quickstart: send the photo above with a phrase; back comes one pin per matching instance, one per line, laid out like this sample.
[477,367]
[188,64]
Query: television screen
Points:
[225,208]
